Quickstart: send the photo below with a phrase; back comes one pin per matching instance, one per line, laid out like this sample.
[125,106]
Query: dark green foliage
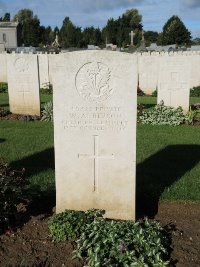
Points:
[111,243]
[140,92]
[29,26]
[3,87]
[3,112]
[163,115]
[91,36]
[154,93]
[150,37]
[70,224]
[117,31]
[12,192]
[6,17]
[175,32]
[195,91]
[70,35]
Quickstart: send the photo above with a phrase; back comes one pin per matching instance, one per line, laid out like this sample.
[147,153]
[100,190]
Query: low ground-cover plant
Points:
[47,112]
[195,91]
[163,115]
[111,243]
[12,192]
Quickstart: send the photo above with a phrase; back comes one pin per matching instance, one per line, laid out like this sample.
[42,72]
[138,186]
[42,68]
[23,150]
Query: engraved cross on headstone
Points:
[96,157]
[132,34]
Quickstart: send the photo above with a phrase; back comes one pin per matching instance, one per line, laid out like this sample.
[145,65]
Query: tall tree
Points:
[6,17]
[150,37]
[30,27]
[175,32]
[117,31]
[92,36]
[70,35]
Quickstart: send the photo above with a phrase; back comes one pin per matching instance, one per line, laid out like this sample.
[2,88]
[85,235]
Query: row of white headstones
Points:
[95,109]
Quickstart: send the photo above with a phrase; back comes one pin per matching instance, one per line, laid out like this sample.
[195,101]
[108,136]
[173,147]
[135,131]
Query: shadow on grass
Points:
[148,106]
[2,140]
[160,171]
[4,105]
[36,163]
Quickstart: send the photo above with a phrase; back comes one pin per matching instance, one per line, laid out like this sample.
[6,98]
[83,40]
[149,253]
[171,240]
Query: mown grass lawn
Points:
[168,158]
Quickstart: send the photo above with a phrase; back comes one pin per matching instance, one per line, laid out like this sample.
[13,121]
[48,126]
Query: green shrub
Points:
[47,113]
[3,87]
[12,192]
[111,243]
[190,116]
[163,115]
[195,91]
[70,224]
[154,93]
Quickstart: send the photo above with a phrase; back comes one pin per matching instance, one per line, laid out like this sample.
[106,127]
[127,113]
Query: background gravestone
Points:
[174,81]
[43,70]
[95,103]
[23,84]
[3,68]
[148,72]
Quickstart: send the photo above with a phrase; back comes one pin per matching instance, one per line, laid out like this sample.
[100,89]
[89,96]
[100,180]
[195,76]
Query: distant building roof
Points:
[8,24]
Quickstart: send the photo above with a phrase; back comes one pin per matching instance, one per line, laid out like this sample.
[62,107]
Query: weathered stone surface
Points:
[23,84]
[43,70]
[148,72]
[174,81]
[95,105]
[3,68]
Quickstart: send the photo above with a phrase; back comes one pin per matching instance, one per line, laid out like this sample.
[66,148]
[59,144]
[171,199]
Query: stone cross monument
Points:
[132,34]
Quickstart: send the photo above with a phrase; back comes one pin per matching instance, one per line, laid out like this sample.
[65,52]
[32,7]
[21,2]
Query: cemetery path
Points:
[30,245]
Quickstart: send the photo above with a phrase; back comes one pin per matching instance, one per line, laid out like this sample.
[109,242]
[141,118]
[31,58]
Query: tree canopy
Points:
[117,31]
[175,32]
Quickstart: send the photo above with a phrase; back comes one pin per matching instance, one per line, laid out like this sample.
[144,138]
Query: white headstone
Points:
[148,72]
[23,84]
[95,106]
[195,71]
[3,68]
[43,70]
[174,81]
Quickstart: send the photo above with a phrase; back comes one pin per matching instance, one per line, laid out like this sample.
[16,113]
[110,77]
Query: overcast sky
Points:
[96,12]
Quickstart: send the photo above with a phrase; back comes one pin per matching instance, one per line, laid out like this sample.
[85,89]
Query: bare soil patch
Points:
[31,245]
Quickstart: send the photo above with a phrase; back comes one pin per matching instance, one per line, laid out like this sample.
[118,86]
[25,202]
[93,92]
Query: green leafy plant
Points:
[154,93]
[47,113]
[195,91]
[12,192]
[109,243]
[70,224]
[190,116]
[163,115]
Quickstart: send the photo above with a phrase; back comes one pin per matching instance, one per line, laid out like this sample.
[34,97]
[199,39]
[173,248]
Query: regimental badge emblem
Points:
[21,65]
[94,82]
